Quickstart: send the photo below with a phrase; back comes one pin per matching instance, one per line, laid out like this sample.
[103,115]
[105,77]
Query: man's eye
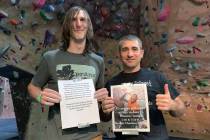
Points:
[82,19]
[135,48]
[124,49]
[73,19]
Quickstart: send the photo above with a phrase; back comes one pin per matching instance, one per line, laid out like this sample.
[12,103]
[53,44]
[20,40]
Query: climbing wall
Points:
[26,33]
[181,31]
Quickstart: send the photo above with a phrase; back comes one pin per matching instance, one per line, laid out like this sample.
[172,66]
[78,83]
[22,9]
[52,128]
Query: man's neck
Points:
[76,47]
[131,70]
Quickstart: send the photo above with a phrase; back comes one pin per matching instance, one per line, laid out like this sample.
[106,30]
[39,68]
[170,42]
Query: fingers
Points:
[51,93]
[50,97]
[166,90]
[101,94]
[161,96]
[164,101]
[47,103]
[108,105]
[163,108]
[163,104]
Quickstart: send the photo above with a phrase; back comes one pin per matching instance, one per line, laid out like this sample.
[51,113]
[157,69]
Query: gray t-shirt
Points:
[57,65]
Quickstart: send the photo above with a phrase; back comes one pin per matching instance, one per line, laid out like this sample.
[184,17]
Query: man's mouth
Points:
[78,30]
[130,59]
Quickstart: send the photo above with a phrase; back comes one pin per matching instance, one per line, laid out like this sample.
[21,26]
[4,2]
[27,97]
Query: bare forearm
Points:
[33,90]
[45,96]
[179,108]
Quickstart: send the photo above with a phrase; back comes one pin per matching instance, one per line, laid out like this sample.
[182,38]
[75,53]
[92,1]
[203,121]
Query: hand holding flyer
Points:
[77,101]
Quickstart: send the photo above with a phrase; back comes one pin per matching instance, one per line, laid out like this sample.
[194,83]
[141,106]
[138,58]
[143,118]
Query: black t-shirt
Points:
[155,84]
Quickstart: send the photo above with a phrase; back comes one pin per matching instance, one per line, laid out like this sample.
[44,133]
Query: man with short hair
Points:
[74,60]
[162,95]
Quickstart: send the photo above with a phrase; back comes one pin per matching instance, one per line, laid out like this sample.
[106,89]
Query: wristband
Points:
[39,98]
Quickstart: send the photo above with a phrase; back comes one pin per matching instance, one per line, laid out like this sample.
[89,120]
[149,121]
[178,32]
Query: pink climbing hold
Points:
[199,107]
[38,4]
[185,40]
[200,28]
[164,13]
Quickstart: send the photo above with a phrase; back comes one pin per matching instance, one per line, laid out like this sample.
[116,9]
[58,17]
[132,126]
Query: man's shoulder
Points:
[95,56]
[51,52]
[150,71]
[115,79]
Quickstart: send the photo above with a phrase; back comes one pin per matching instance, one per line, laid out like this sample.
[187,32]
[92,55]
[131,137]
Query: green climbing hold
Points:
[45,16]
[196,21]
[146,31]
[203,83]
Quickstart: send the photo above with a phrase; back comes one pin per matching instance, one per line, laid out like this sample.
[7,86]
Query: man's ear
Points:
[119,54]
[142,53]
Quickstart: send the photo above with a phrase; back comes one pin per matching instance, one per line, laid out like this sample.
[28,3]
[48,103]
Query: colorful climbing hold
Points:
[185,40]
[164,13]
[200,35]
[196,21]
[38,4]
[45,16]
[3,15]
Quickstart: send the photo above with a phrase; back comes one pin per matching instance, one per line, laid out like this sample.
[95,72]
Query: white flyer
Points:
[78,106]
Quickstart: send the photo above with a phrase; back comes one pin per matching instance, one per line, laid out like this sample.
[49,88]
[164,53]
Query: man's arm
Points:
[46,96]
[178,109]
[33,90]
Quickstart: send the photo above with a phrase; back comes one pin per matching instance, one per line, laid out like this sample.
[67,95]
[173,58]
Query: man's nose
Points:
[78,23]
[130,53]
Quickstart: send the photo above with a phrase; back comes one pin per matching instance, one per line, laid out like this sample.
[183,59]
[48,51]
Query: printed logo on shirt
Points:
[75,71]
[149,84]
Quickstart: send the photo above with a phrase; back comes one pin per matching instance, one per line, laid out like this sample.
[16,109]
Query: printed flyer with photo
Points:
[131,108]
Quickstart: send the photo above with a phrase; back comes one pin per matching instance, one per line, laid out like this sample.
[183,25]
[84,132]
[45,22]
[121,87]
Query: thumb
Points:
[166,90]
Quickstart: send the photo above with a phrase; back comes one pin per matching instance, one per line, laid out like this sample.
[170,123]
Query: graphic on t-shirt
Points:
[75,71]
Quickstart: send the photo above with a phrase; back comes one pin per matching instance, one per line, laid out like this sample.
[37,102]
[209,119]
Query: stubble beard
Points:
[78,40]
[130,68]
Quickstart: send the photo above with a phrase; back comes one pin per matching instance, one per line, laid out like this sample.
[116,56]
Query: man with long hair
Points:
[74,60]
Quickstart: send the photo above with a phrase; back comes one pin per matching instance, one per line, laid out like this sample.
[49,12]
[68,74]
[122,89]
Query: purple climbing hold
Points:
[48,39]
[3,15]
[19,42]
